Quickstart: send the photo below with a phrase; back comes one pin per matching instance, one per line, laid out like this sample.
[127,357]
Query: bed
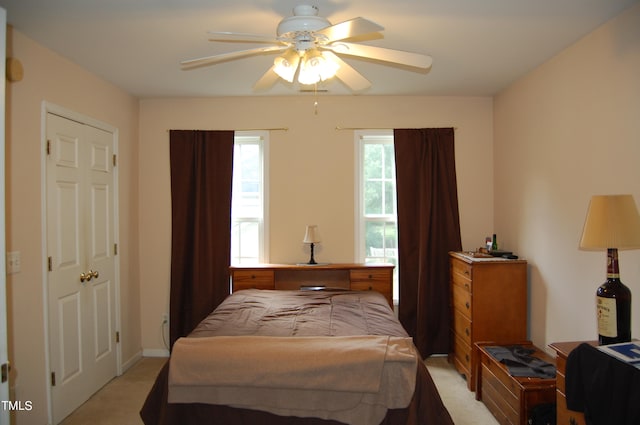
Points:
[296,357]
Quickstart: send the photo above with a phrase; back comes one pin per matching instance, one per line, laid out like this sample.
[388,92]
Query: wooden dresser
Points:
[564,415]
[353,276]
[488,303]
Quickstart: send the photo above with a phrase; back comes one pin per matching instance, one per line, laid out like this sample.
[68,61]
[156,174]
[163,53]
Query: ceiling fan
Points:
[310,47]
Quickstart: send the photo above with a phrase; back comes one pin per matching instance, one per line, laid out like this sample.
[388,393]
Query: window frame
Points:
[361,138]
[260,138]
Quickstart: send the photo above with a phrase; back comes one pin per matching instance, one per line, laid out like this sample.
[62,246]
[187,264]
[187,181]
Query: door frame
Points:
[48,107]
[4,354]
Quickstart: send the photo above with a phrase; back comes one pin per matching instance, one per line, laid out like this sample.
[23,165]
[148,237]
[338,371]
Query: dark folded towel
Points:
[521,362]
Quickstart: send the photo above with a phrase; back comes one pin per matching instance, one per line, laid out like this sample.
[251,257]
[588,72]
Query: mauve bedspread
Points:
[295,314]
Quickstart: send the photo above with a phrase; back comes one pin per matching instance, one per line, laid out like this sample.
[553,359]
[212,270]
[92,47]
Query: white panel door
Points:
[80,244]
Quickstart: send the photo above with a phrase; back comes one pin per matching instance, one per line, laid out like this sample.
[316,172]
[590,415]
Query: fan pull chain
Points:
[315,103]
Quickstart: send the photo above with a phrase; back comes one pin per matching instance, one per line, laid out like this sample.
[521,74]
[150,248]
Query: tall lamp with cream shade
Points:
[612,224]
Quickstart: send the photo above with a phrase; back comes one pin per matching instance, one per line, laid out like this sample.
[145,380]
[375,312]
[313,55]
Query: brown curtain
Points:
[428,228]
[201,175]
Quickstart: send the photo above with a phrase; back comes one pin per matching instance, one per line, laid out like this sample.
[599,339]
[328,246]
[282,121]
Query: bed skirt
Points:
[426,408]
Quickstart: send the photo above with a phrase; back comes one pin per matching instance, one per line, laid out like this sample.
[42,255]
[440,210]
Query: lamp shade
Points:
[316,67]
[612,222]
[287,65]
[311,235]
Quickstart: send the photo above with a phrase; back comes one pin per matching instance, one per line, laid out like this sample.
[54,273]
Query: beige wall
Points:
[567,131]
[311,172]
[51,78]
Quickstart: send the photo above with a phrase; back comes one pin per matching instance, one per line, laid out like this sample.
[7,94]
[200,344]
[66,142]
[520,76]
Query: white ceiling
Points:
[478,46]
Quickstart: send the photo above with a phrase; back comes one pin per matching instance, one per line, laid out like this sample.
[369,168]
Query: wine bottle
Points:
[613,305]
[494,243]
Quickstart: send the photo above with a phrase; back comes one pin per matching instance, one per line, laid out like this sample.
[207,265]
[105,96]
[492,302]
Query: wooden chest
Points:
[509,398]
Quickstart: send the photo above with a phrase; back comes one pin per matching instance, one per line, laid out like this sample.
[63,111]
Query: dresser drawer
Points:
[463,355]
[461,269]
[462,300]
[253,279]
[462,281]
[462,327]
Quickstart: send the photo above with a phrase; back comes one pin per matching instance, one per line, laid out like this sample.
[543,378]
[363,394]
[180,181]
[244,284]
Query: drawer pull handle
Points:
[370,276]
[371,288]
[467,305]
[466,272]
[467,331]
[466,356]
[253,276]
[466,286]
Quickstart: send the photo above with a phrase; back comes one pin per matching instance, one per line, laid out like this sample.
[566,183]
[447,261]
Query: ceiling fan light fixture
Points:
[316,67]
[310,47]
[287,65]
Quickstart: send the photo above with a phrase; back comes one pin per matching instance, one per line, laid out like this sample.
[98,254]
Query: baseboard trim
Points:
[127,364]
[155,352]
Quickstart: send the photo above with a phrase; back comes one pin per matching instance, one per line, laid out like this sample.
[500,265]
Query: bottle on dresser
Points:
[613,304]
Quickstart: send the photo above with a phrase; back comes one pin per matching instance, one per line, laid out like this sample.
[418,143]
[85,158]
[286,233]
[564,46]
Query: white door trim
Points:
[4,356]
[47,108]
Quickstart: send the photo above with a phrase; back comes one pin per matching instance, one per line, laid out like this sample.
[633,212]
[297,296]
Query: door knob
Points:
[88,276]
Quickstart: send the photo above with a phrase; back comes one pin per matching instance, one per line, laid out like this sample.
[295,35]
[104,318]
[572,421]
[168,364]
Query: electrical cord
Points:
[163,332]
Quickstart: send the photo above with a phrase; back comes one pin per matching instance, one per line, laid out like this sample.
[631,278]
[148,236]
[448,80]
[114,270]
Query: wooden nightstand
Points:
[565,416]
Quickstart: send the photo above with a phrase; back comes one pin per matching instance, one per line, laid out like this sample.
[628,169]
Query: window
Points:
[248,199]
[376,229]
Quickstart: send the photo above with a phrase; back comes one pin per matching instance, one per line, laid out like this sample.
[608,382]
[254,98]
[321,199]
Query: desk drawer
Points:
[253,279]
[380,276]
[382,287]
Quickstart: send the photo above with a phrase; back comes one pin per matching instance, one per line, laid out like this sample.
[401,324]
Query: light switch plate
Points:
[13,262]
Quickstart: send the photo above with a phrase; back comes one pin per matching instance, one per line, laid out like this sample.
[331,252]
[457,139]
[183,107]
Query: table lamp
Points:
[612,223]
[311,237]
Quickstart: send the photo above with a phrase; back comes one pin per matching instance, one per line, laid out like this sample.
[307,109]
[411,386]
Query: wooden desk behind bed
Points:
[352,276]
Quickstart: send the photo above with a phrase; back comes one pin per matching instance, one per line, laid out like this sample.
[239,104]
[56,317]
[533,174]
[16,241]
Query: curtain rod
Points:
[339,128]
[246,129]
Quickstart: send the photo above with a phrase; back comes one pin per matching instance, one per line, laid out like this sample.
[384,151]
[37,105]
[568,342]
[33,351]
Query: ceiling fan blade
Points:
[416,60]
[267,80]
[210,60]
[351,28]
[348,75]
[242,37]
